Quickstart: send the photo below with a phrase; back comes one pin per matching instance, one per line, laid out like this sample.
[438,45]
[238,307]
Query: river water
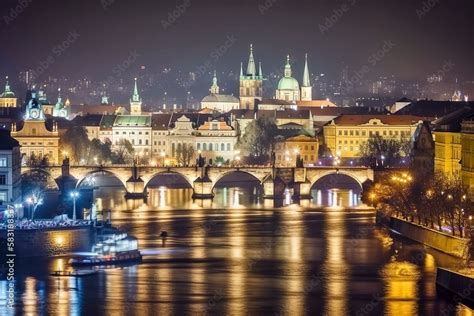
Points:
[239,256]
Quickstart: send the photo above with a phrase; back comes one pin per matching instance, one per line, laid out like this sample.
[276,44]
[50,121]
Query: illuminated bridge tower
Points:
[251,83]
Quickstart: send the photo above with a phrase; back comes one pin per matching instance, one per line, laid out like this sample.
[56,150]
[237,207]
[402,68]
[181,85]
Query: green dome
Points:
[288,83]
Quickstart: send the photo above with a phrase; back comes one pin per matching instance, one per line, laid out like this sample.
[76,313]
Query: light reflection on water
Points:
[239,257]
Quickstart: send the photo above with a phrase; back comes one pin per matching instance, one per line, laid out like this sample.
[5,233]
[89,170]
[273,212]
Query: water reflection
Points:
[401,288]
[336,198]
[238,257]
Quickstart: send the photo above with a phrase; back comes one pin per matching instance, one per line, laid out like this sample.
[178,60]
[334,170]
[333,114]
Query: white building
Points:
[10,169]
[216,139]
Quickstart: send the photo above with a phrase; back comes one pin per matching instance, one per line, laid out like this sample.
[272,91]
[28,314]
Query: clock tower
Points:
[34,109]
[36,138]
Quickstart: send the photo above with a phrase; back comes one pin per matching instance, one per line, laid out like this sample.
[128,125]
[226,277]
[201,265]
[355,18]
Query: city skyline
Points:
[336,35]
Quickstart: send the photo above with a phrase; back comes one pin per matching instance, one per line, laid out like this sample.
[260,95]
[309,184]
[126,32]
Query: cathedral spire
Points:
[288,67]
[214,87]
[306,80]
[135,96]
[251,69]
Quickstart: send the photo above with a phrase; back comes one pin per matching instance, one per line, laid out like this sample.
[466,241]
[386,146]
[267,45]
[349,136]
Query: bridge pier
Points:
[202,189]
[268,188]
[66,182]
[135,186]
[302,191]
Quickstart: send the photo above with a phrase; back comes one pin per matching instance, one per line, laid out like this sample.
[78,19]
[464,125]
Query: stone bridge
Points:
[203,179]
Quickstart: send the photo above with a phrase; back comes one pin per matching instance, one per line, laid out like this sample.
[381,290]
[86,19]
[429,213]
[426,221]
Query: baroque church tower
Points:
[135,101]
[251,83]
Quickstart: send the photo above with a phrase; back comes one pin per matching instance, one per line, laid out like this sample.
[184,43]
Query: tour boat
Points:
[110,249]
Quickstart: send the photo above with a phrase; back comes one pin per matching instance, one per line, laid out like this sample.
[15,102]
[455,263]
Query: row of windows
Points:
[372,133]
[351,148]
[160,143]
[306,147]
[351,142]
[223,147]
[131,133]
[37,144]
[140,142]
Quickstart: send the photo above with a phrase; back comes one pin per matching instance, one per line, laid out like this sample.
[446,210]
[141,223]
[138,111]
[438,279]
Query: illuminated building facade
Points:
[344,135]
[305,146]
[467,153]
[216,139]
[34,137]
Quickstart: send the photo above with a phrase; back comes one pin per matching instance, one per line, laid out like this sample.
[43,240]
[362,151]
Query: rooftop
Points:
[133,120]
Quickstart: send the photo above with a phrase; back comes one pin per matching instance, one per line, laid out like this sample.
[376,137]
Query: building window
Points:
[3,179]
[340,133]
[228,147]
[3,196]
[204,146]
[222,147]
[210,147]
[3,161]
[198,146]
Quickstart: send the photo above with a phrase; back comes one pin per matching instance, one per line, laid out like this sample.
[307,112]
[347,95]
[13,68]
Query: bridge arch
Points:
[86,176]
[229,173]
[171,175]
[340,176]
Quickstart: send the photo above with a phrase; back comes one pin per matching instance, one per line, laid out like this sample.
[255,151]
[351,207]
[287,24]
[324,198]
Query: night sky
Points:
[110,30]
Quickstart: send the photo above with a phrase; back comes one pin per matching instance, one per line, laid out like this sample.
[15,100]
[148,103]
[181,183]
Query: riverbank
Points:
[457,283]
[50,241]
[452,245]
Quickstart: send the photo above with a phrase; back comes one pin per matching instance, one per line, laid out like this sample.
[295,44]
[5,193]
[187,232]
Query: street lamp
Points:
[33,202]
[74,195]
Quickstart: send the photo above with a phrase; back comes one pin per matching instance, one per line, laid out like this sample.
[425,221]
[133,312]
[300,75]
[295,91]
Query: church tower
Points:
[306,88]
[7,98]
[135,101]
[214,88]
[251,83]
